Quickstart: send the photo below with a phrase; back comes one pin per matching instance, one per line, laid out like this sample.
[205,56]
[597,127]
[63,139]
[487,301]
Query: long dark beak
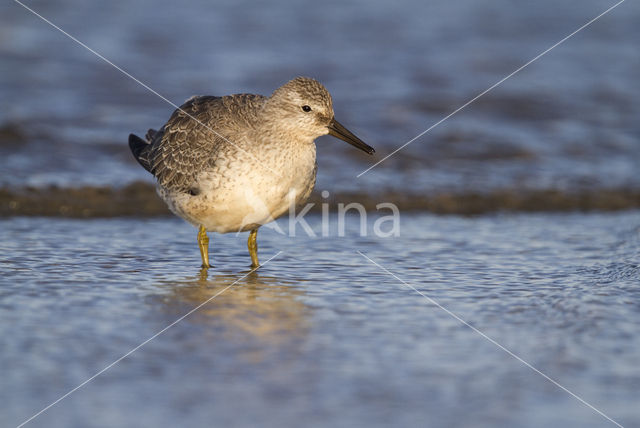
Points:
[339,131]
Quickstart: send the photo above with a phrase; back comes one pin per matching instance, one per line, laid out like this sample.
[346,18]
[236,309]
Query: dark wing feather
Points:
[151,135]
[139,148]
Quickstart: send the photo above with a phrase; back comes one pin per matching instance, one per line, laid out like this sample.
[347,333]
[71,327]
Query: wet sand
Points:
[140,200]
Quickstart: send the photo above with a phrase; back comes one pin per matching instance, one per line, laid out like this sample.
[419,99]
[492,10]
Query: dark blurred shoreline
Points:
[139,199]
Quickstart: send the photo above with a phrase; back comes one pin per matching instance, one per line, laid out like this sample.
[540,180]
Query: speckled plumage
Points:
[183,148]
[236,162]
[202,156]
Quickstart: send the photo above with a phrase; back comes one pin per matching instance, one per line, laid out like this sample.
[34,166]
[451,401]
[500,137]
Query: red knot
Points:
[234,163]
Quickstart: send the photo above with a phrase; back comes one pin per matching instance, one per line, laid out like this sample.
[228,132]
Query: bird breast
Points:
[247,190]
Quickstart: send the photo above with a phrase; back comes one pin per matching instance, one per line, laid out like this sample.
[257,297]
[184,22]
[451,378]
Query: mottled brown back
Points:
[192,138]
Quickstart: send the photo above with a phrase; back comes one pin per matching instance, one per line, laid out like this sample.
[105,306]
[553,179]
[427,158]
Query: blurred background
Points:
[569,121]
[319,336]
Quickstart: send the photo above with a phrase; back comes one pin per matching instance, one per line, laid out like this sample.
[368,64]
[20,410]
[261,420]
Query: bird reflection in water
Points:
[257,309]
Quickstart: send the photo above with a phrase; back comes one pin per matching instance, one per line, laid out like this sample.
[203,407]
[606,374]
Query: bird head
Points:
[304,105]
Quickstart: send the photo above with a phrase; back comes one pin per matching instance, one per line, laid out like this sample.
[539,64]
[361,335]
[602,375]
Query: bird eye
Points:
[306,108]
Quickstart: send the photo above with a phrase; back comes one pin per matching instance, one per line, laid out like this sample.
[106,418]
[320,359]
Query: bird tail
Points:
[140,148]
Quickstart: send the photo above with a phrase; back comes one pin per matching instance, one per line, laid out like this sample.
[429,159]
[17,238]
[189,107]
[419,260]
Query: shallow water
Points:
[320,336]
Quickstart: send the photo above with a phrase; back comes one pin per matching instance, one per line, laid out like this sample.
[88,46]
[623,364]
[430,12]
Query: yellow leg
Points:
[253,248]
[203,243]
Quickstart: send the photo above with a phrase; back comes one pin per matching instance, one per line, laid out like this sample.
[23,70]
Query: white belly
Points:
[240,196]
